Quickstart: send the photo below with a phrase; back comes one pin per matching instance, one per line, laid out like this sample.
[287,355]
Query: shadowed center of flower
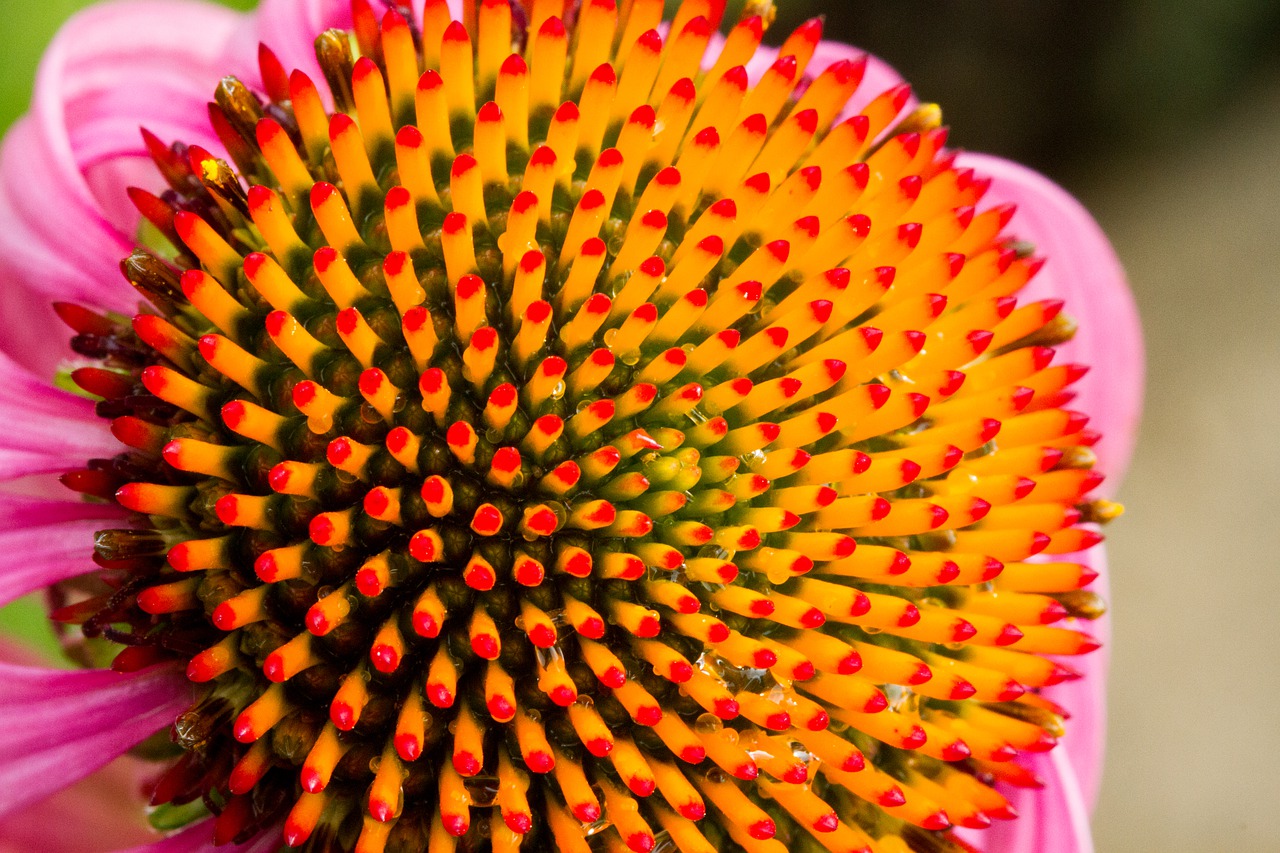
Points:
[586,442]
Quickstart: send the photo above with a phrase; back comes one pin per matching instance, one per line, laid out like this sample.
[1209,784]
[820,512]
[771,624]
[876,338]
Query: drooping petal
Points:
[110,70]
[105,806]
[57,727]
[1082,269]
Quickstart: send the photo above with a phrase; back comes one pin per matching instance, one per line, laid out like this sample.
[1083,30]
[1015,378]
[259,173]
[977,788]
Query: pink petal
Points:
[110,70]
[107,806]
[1054,819]
[107,803]
[57,727]
[1082,268]
[30,511]
[33,558]
[31,411]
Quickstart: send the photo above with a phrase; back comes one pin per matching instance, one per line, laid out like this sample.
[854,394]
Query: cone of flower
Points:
[546,427]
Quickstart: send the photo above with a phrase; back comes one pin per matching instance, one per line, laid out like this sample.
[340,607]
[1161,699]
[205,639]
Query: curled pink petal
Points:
[1082,268]
[110,70]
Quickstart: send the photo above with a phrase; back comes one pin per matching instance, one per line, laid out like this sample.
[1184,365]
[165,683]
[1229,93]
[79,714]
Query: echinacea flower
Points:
[547,427]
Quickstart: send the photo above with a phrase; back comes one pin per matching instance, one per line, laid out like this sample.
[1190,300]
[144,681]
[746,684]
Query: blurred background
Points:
[1163,118]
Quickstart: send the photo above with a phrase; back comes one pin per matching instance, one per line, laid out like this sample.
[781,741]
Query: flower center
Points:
[585,442]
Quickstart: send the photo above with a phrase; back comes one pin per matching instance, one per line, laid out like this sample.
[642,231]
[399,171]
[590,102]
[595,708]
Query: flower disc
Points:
[566,438]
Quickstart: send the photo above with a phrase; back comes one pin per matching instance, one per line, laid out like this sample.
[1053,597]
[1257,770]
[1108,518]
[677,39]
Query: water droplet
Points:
[708,724]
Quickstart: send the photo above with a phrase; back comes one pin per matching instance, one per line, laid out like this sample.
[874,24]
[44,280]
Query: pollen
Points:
[539,437]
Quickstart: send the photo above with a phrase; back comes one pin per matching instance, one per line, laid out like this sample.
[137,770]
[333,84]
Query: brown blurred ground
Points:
[1194,754]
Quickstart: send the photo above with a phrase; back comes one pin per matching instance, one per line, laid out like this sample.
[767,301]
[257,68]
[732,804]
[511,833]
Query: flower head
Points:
[564,427]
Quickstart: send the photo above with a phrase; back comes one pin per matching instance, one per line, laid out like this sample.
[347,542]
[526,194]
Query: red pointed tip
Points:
[342,715]
[539,761]
[1088,644]
[384,658]
[243,730]
[295,835]
[1039,541]
[762,830]
[813,617]
[518,823]
[892,797]
[408,746]
[978,509]
[224,617]
[641,842]
[312,782]
[693,754]
[693,811]
[599,747]
[921,674]
[915,738]
[439,695]
[380,810]
[466,764]
[726,709]
[586,812]
[485,646]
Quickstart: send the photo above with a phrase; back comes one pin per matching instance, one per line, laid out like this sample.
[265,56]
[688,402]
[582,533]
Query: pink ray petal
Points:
[1054,819]
[31,410]
[57,727]
[33,558]
[107,806]
[22,511]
